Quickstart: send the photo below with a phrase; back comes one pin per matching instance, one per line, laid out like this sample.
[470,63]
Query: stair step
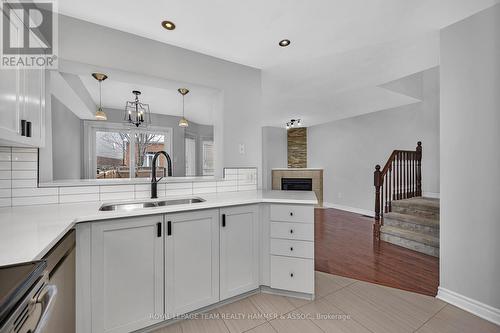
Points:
[407,218]
[422,203]
[412,240]
[429,230]
[411,235]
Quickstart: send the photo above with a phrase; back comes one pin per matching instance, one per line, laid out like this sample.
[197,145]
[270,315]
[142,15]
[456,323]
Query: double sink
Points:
[128,206]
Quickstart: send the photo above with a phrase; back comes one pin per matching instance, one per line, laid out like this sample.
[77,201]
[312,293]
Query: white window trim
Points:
[90,127]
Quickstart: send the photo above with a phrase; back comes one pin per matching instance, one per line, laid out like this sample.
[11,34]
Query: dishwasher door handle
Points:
[46,298]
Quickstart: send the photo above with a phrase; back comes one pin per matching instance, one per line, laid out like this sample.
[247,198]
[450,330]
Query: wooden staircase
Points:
[402,216]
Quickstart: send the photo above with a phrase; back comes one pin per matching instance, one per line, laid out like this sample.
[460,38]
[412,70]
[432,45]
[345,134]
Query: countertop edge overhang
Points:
[28,232]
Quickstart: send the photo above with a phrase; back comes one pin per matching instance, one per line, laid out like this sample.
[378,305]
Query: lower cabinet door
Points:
[192,261]
[239,254]
[127,273]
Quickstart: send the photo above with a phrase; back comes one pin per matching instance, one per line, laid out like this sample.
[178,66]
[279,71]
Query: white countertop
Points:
[29,232]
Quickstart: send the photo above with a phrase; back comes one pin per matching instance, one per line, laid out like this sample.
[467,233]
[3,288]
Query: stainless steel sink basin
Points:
[128,206]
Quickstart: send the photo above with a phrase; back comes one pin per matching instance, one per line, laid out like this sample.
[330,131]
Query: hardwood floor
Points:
[344,246]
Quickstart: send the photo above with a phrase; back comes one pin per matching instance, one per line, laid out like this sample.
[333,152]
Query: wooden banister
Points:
[400,178]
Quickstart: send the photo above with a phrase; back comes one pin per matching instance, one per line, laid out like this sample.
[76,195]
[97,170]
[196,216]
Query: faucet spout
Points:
[154,181]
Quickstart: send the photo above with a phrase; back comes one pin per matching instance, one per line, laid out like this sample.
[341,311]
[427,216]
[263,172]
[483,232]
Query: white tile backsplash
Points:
[5,174]
[24,165]
[5,155]
[24,174]
[79,190]
[116,188]
[5,165]
[19,185]
[107,196]
[5,193]
[5,202]
[34,192]
[180,191]
[24,157]
[27,201]
[67,198]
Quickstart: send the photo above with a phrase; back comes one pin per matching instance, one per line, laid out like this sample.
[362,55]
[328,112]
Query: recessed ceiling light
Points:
[169,25]
[284,42]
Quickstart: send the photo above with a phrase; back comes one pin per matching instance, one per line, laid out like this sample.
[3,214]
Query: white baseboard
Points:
[430,195]
[349,209]
[470,305]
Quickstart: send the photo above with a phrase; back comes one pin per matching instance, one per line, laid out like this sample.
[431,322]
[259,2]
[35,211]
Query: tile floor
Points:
[341,305]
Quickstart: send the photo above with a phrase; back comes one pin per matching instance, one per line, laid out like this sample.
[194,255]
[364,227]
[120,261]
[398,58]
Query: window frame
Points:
[90,127]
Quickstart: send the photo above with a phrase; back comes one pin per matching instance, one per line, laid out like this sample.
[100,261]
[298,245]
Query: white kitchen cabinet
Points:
[22,97]
[127,273]
[191,261]
[239,253]
[10,90]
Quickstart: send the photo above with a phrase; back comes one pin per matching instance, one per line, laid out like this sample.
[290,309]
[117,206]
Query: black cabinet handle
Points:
[169,228]
[291,274]
[28,129]
[158,229]
[291,231]
[223,220]
[291,248]
[23,127]
[291,213]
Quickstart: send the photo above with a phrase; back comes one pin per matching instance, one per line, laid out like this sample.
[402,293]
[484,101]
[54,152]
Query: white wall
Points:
[349,149]
[470,163]
[239,118]
[274,152]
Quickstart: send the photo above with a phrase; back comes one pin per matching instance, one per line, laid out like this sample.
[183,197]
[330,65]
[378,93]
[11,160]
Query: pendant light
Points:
[99,114]
[183,121]
[137,113]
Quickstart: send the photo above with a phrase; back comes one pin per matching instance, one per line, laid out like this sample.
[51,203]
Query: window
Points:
[208,158]
[190,156]
[116,150]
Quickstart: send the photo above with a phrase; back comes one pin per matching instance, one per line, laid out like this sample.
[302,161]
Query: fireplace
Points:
[296,184]
[301,179]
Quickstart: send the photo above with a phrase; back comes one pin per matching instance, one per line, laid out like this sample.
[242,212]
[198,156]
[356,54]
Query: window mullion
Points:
[132,153]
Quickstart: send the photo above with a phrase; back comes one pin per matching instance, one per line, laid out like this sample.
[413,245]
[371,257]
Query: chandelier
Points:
[137,113]
[293,123]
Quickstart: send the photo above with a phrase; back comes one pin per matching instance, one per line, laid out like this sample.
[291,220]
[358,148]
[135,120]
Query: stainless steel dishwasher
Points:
[39,296]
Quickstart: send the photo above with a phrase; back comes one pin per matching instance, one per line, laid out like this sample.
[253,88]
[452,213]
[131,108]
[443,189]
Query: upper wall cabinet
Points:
[22,101]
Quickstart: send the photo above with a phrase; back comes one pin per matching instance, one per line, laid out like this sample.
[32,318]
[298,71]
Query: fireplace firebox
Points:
[296,184]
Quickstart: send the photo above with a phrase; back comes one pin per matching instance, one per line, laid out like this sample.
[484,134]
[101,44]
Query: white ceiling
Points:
[339,47]
[199,101]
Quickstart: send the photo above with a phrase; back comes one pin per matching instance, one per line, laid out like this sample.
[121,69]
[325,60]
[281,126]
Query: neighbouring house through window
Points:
[119,151]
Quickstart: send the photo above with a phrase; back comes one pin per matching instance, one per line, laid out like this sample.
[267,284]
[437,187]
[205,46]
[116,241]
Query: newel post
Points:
[419,169]
[378,183]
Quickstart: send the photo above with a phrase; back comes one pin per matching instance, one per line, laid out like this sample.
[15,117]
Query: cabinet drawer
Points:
[292,213]
[292,248]
[293,274]
[301,231]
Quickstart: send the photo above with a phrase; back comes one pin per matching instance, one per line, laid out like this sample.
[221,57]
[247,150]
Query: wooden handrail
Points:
[400,178]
